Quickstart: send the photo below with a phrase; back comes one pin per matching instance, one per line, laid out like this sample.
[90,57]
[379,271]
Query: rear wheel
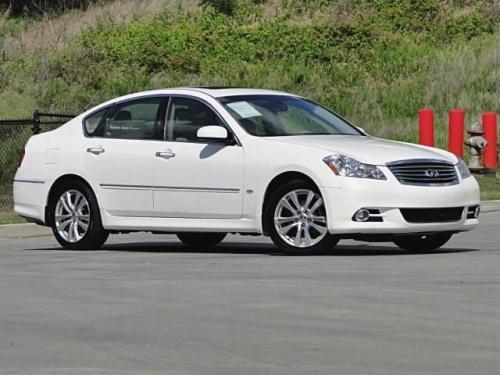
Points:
[423,243]
[201,240]
[75,218]
[297,220]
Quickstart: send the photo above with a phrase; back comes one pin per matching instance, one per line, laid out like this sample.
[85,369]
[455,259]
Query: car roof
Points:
[221,91]
[213,91]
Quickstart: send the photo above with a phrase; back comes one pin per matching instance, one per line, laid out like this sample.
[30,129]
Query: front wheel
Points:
[201,240]
[297,220]
[423,243]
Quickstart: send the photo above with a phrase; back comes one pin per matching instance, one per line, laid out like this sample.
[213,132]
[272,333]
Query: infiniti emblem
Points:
[431,173]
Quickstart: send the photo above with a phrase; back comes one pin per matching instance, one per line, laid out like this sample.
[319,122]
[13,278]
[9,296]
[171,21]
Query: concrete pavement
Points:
[146,305]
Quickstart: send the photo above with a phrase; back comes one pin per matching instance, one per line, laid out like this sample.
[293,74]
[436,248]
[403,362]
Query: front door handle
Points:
[96,150]
[165,154]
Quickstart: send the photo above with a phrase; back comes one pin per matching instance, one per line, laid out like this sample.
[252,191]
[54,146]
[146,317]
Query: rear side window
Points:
[92,122]
[139,119]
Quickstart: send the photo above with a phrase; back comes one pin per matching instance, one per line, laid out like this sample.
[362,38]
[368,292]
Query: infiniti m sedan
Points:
[204,162]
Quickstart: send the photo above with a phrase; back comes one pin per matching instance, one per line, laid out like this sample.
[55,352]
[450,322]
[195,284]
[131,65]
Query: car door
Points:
[119,154]
[194,178]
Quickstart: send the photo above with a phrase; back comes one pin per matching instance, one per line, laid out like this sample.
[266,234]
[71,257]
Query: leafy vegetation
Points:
[490,187]
[227,7]
[12,8]
[375,62]
[10,218]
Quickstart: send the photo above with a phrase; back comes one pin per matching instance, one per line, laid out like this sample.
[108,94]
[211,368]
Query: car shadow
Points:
[245,248]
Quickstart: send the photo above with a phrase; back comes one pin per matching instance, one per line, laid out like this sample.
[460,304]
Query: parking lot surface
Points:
[147,305]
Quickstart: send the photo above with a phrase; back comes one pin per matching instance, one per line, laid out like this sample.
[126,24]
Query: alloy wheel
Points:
[72,216]
[300,218]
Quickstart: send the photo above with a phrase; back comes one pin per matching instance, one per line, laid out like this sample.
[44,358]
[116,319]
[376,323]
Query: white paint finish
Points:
[212,132]
[29,199]
[51,155]
[201,181]
[219,93]
[122,174]
[185,182]
[378,151]
[163,224]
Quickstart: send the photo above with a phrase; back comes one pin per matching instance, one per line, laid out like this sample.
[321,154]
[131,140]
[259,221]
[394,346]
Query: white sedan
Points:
[204,162]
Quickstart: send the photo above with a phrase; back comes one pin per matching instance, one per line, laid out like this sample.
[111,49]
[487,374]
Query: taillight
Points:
[20,158]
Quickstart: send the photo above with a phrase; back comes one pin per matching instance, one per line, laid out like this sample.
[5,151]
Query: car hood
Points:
[367,149]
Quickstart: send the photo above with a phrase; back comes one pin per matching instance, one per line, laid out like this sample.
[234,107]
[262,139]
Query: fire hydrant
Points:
[477,143]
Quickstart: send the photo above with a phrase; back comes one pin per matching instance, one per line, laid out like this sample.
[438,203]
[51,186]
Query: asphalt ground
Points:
[147,305]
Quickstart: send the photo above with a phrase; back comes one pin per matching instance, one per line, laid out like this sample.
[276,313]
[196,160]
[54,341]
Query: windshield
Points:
[279,115]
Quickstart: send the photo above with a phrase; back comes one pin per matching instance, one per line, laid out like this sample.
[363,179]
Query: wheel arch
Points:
[60,180]
[276,182]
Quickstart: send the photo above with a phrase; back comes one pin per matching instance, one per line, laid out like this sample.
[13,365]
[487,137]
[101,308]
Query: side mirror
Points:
[212,132]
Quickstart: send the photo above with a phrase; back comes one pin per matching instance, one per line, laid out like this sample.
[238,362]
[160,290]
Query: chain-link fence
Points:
[13,136]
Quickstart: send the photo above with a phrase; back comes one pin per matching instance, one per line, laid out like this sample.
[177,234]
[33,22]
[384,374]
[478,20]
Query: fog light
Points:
[477,211]
[473,212]
[362,215]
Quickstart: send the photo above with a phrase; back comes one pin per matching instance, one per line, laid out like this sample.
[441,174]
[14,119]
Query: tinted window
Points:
[135,120]
[93,121]
[185,116]
[278,115]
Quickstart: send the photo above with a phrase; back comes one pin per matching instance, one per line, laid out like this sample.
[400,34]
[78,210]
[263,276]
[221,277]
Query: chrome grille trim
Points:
[413,172]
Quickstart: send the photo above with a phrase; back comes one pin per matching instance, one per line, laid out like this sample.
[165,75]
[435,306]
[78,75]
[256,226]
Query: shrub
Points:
[227,7]
[42,7]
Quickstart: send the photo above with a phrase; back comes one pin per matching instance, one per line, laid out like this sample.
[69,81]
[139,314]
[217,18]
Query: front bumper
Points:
[389,197]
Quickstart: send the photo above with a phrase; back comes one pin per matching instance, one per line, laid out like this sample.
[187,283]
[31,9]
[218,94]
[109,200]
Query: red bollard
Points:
[426,127]
[490,152]
[456,132]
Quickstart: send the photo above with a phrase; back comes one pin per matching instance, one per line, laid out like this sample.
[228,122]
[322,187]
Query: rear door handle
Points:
[165,154]
[96,150]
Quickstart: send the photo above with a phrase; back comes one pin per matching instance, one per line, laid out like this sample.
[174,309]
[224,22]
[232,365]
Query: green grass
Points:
[10,218]
[490,187]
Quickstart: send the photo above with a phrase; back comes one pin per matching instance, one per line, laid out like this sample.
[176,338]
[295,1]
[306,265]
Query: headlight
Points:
[345,166]
[463,169]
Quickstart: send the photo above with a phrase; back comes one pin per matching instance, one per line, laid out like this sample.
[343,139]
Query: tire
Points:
[86,217]
[284,224]
[198,240]
[423,243]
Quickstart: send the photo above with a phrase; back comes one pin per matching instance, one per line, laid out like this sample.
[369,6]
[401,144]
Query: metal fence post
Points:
[36,122]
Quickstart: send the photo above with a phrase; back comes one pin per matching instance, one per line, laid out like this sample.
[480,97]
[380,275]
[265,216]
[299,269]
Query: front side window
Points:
[138,119]
[185,116]
[281,115]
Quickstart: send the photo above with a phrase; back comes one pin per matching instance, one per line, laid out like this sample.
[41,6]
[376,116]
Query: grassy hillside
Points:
[374,61]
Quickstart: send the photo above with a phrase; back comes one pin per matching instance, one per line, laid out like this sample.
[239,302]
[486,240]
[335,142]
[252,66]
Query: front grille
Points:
[424,172]
[432,215]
